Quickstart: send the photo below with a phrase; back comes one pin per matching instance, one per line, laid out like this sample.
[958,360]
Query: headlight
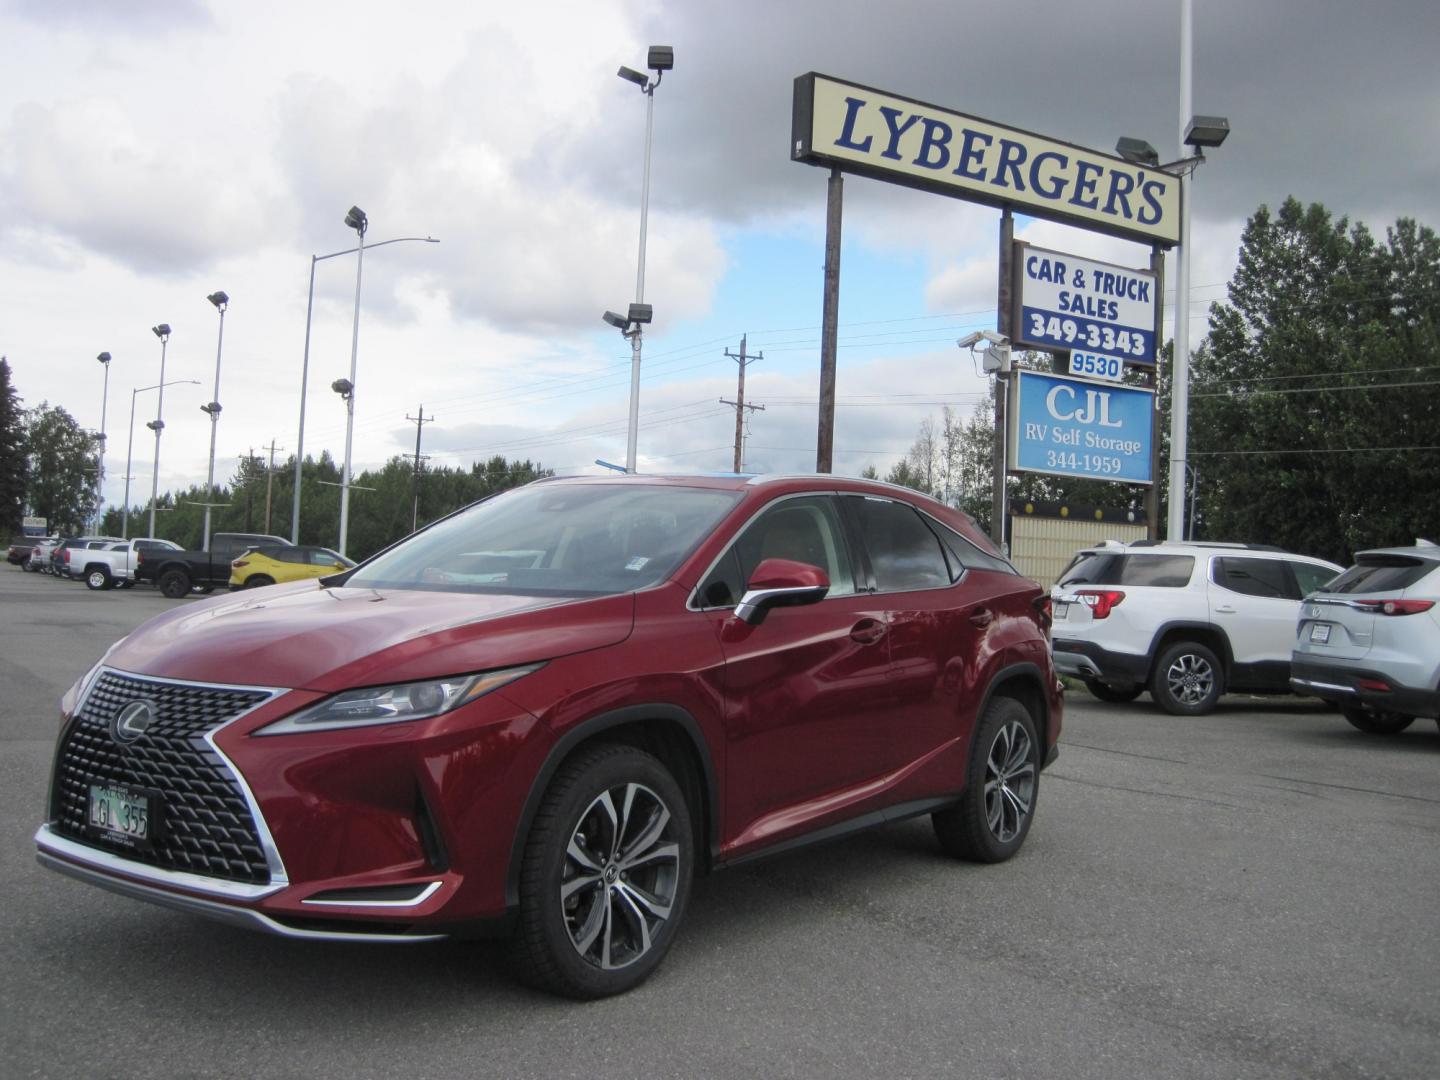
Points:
[372,705]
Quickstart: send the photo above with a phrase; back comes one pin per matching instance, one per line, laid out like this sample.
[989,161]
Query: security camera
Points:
[969,341]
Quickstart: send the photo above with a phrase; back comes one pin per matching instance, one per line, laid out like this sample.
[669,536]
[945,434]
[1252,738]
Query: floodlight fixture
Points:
[1206,131]
[343,387]
[641,313]
[156,426]
[660,58]
[162,331]
[219,299]
[357,220]
[213,408]
[1137,151]
[618,321]
[634,76]
[104,358]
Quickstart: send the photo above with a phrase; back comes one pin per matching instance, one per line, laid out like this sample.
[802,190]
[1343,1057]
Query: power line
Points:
[1332,450]
[1315,389]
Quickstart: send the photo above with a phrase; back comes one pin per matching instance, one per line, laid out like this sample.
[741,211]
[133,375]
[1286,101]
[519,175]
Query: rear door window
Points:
[1255,577]
[904,552]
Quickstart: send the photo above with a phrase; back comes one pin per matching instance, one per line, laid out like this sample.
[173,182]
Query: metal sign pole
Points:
[1152,493]
[825,438]
[1005,302]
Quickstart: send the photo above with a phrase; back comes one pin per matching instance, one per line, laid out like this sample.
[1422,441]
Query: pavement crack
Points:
[1124,753]
[1347,787]
[1051,774]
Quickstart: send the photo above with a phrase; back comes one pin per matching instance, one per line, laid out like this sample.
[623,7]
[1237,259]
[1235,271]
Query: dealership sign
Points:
[1064,302]
[1075,427]
[858,129]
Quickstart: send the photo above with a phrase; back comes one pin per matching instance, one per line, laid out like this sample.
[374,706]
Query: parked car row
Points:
[1190,622]
[236,560]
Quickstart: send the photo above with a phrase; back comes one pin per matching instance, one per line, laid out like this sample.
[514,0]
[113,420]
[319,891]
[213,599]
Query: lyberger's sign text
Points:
[857,129]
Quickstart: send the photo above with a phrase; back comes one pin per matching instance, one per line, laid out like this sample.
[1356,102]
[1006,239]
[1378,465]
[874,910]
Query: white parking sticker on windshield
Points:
[637,563]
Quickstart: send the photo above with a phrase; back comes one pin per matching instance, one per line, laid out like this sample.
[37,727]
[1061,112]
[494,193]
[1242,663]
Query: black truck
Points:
[175,573]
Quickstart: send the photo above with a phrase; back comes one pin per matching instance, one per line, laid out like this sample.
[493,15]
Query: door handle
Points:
[867,631]
[1224,609]
[982,617]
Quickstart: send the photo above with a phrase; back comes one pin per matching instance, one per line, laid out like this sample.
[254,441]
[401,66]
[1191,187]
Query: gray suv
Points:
[1370,641]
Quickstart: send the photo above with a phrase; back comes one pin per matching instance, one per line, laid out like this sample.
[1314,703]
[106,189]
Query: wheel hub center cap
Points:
[612,873]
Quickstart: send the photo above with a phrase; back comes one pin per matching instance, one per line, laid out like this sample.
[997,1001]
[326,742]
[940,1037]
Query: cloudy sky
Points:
[154,151]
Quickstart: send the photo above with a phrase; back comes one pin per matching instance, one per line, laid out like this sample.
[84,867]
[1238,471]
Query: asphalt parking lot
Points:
[1247,894]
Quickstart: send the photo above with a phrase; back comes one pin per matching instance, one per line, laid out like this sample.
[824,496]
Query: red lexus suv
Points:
[546,713]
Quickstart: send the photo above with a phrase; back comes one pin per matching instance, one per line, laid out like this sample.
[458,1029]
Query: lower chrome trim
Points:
[233,916]
[1312,684]
[419,898]
[104,863]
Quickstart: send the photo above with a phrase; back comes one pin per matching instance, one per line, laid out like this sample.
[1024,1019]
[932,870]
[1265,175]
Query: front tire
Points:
[258,581]
[1187,680]
[174,584]
[993,817]
[605,875]
[1376,723]
[97,578]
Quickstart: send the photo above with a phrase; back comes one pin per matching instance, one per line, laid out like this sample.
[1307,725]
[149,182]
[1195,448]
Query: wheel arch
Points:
[1202,633]
[1024,682]
[668,732]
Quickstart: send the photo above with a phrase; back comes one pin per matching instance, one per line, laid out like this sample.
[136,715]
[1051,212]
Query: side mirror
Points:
[780,583]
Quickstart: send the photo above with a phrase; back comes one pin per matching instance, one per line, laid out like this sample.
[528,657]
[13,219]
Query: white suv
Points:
[1187,621]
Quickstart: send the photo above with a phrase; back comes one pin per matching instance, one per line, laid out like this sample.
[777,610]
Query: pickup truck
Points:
[175,573]
[114,564]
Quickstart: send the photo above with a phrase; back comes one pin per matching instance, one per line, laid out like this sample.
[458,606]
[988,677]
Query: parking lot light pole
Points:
[104,359]
[357,220]
[158,424]
[221,302]
[305,365]
[660,59]
[130,452]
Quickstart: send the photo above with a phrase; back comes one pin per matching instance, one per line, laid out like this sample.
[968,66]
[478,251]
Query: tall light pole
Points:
[305,366]
[158,424]
[130,451]
[356,220]
[221,302]
[104,359]
[660,59]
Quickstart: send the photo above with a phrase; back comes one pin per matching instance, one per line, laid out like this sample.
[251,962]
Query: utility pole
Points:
[739,402]
[270,481]
[419,422]
[249,464]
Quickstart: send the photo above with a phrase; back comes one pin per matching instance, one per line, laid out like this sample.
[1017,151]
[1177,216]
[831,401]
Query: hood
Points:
[304,636]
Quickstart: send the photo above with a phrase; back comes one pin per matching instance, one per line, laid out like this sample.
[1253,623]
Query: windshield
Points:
[568,540]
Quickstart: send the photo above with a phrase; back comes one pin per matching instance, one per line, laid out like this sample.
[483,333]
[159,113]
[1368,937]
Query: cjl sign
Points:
[1074,427]
[1065,302]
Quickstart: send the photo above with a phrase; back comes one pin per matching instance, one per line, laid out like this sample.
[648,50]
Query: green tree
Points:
[62,468]
[14,468]
[1315,401]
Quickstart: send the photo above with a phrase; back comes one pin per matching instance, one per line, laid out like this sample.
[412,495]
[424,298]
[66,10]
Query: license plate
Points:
[123,813]
[1062,610]
[1320,633]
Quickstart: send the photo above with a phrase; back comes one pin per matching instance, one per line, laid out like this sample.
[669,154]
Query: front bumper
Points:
[1341,684]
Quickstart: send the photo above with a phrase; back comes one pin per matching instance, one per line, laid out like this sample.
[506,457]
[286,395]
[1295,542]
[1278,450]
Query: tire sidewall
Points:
[1159,683]
[97,580]
[166,584]
[1000,713]
[575,787]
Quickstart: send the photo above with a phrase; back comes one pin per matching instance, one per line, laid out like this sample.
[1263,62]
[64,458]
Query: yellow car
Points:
[267,566]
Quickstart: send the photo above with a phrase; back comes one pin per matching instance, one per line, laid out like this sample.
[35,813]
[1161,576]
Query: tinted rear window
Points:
[1105,568]
[1381,573]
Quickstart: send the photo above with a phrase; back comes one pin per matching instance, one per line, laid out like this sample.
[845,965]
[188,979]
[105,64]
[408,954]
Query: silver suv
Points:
[1188,622]
[1371,641]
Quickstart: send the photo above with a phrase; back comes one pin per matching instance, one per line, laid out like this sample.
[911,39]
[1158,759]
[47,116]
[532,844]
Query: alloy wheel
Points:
[1190,679]
[621,876]
[1009,782]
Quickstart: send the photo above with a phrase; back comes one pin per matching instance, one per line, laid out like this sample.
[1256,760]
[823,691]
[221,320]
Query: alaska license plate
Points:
[1320,633]
[123,813]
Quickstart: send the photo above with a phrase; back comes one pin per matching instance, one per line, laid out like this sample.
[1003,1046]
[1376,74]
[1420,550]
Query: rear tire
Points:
[993,817]
[1113,694]
[98,578]
[605,875]
[174,584]
[258,581]
[1376,722]
[1187,680]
